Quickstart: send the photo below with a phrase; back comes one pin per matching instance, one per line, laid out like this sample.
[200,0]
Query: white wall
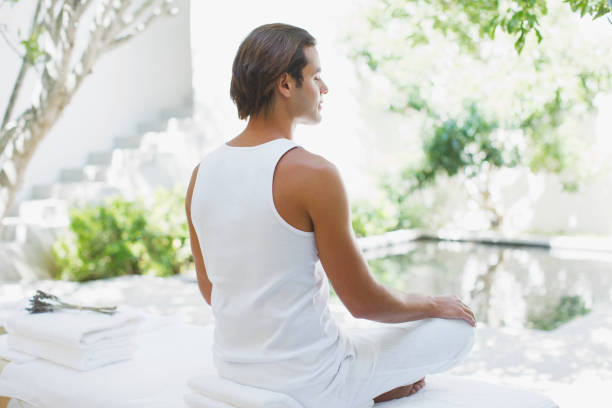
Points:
[133,84]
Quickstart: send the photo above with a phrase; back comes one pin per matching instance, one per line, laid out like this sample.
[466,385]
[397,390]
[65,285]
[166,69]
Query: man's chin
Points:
[310,121]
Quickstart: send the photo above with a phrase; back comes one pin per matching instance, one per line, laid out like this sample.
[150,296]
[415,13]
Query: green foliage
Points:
[124,238]
[393,212]
[368,218]
[554,315]
[390,271]
[33,53]
[482,106]
[467,21]
[594,8]
[468,144]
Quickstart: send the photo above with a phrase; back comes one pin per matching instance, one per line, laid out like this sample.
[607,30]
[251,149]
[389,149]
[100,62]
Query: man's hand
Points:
[451,307]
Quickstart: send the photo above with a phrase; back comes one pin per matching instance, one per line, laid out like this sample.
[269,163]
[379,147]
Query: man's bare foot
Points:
[401,392]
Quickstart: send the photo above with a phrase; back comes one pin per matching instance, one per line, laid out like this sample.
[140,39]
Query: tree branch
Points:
[25,65]
[139,28]
[89,56]
[8,41]
[118,23]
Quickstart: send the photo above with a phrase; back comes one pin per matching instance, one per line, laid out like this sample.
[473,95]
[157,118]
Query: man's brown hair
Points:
[266,53]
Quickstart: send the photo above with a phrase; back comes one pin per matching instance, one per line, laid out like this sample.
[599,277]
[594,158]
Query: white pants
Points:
[388,356]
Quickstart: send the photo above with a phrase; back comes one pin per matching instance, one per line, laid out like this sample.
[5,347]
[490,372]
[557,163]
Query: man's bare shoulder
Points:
[307,164]
[311,178]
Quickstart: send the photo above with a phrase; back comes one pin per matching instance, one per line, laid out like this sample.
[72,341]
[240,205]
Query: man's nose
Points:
[324,88]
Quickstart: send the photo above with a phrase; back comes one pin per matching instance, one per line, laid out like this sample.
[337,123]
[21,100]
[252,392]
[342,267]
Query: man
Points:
[262,210]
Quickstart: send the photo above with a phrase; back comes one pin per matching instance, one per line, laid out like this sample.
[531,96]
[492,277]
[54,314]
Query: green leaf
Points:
[520,42]
[539,35]
[514,22]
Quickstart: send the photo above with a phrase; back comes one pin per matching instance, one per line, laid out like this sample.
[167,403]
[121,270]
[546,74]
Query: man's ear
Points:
[285,84]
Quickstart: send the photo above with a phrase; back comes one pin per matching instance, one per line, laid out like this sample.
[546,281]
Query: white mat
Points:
[169,356]
[447,391]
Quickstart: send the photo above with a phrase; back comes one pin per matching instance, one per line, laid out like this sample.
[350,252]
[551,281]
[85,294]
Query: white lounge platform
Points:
[172,353]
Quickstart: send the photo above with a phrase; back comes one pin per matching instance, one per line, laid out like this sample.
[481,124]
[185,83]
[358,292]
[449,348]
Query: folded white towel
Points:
[83,359]
[11,355]
[237,395]
[74,328]
[195,400]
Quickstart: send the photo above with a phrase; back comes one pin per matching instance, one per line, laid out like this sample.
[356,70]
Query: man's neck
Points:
[265,128]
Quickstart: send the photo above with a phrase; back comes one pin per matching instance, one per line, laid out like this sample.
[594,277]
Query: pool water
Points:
[505,286]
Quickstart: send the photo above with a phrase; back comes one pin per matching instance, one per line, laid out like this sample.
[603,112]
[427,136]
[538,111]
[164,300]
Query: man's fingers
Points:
[468,310]
[470,318]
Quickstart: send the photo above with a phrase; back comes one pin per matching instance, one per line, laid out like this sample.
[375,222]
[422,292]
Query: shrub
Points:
[393,212]
[568,308]
[125,238]
[368,218]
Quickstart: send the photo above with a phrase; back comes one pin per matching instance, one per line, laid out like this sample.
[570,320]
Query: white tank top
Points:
[273,328]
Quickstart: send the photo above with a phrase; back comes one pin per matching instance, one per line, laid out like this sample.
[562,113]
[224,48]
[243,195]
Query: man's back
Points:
[272,324]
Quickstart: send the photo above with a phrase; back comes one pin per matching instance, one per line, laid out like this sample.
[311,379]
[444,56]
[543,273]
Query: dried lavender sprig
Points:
[43,302]
[42,295]
[43,307]
[40,308]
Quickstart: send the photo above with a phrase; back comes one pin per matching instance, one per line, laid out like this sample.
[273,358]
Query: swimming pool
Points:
[505,285]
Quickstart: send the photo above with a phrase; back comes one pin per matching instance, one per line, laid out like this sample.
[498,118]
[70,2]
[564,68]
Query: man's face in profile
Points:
[307,99]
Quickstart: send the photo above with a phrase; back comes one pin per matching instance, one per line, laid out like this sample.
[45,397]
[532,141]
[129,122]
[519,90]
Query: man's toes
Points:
[415,388]
[418,386]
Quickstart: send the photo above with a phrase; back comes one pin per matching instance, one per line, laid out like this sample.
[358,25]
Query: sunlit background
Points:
[478,162]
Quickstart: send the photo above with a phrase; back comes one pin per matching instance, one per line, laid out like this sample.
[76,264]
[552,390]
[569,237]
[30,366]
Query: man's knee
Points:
[458,334]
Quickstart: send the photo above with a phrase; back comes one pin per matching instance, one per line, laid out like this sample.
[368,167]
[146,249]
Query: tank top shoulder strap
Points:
[279,149]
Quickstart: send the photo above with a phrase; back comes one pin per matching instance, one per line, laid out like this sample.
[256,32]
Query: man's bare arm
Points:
[327,204]
[203,283]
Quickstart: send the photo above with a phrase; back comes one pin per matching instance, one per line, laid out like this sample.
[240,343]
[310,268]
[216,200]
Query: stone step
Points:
[71,175]
[85,192]
[41,191]
[47,212]
[175,124]
[127,142]
[137,170]
[95,172]
[27,256]
[167,114]
[13,230]
[99,158]
[154,126]
[151,141]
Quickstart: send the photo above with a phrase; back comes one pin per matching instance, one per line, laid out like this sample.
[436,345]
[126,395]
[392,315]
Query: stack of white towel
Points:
[79,339]
[211,391]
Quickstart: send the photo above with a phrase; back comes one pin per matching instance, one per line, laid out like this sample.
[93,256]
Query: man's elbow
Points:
[362,313]
[362,303]
[206,294]
[361,310]
[205,288]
